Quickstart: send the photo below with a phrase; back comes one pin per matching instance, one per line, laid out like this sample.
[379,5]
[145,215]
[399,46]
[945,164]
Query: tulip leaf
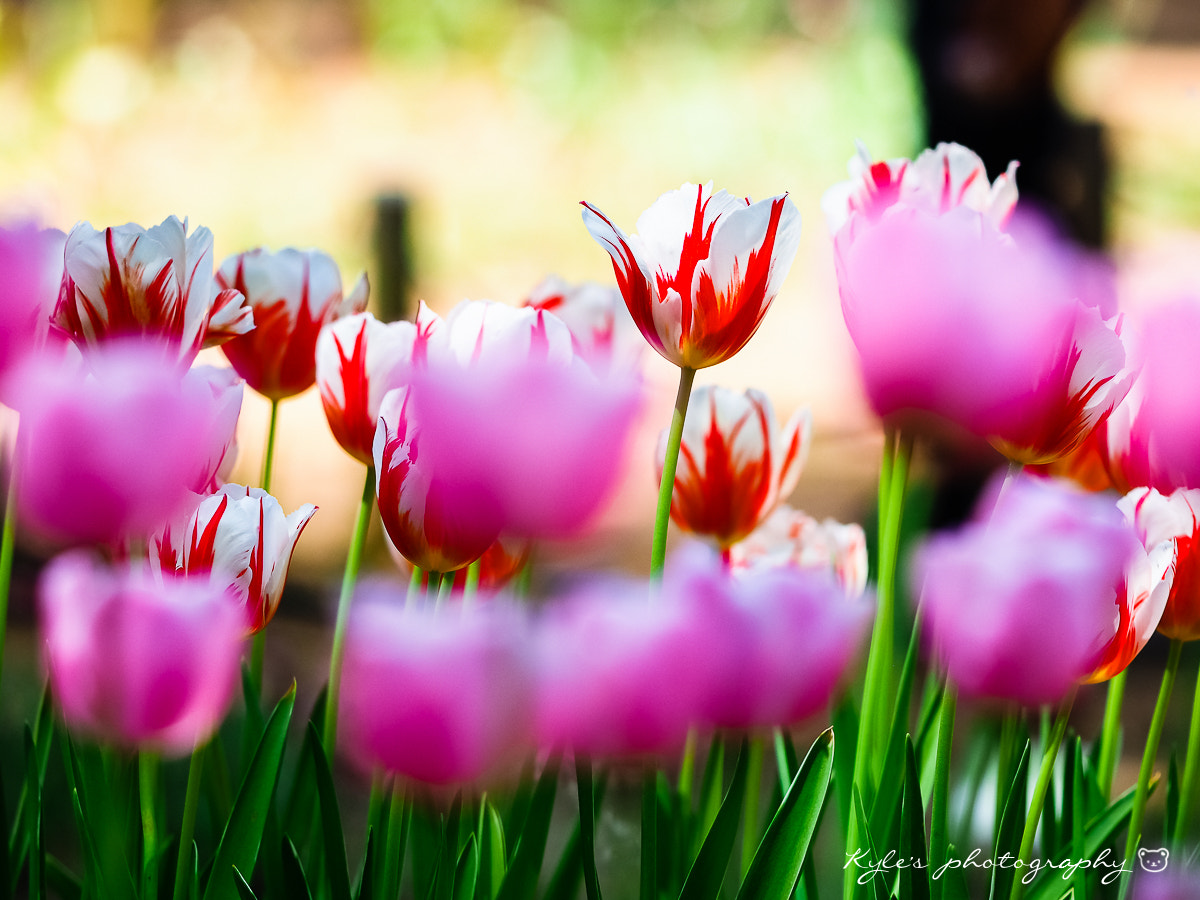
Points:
[914,869]
[6,885]
[845,722]
[243,887]
[18,841]
[776,865]
[891,780]
[448,865]
[331,820]
[61,881]
[787,761]
[708,871]
[587,825]
[467,871]
[953,878]
[33,823]
[1079,880]
[108,871]
[520,882]
[238,847]
[854,855]
[295,884]
[425,833]
[367,877]
[493,859]
[1012,824]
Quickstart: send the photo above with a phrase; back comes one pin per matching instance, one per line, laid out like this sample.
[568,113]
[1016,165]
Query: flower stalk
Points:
[666,489]
[1034,814]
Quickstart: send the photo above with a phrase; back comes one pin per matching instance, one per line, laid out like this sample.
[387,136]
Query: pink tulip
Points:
[31,268]
[360,359]
[735,462]
[242,540]
[940,179]
[439,696]
[136,660]
[604,332]
[1021,605]
[292,293]
[153,282]
[790,537]
[539,440]
[701,272]
[431,520]
[951,317]
[109,454]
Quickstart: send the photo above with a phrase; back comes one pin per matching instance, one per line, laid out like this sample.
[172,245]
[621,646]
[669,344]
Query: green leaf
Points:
[776,865]
[448,864]
[398,828]
[33,820]
[711,783]
[1012,824]
[520,882]
[238,847]
[787,761]
[493,859]
[914,878]
[845,725]
[367,878]
[568,874]
[426,836]
[243,887]
[6,873]
[467,871]
[331,820]
[1079,881]
[61,881]
[252,727]
[17,845]
[587,826]
[877,880]
[294,883]
[708,871]
[108,871]
[953,877]
[891,781]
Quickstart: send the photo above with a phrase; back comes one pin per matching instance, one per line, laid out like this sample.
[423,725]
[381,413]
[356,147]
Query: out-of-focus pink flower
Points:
[439,696]
[31,268]
[360,359]
[735,463]
[155,282]
[431,520]
[110,452]
[780,639]
[702,269]
[539,440]
[1021,606]
[1154,882]
[790,537]
[604,332]
[221,388]
[1142,593]
[951,317]
[240,537]
[292,293]
[138,660]
[940,179]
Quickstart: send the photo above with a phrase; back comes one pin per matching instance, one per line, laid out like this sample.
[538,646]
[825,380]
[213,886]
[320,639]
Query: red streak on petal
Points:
[351,421]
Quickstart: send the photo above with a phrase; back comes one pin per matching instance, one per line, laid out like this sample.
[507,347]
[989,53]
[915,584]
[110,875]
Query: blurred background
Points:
[444,146]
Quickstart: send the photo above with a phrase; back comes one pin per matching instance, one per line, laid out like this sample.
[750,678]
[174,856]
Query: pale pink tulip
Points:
[604,332]
[790,537]
[138,660]
[31,268]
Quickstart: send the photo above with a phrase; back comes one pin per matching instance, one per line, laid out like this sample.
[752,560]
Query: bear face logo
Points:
[1153,860]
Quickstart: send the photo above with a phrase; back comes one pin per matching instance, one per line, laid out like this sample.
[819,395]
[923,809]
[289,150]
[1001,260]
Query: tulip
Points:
[484,332]
[940,179]
[1021,607]
[31,267]
[439,696]
[435,528]
[140,661]
[360,359]
[604,332]
[293,293]
[155,282]
[736,464]
[1174,516]
[222,390]
[242,540]
[790,537]
[109,455]
[702,270]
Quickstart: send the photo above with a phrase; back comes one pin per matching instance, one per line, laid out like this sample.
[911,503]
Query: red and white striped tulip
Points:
[735,463]
[154,282]
[242,540]
[702,269]
[485,332]
[790,537]
[293,293]
[604,332]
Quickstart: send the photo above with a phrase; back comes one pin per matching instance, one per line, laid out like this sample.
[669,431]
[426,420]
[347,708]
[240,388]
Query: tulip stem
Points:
[666,487]
[258,647]
[191,803]
[414,586]
[445,588]
[939,840]
[1148,757]
[1110,736]
[587,824]
[353,558]
[8,543]
[1034,815]
[471,585]
[1187,788]
[148,799]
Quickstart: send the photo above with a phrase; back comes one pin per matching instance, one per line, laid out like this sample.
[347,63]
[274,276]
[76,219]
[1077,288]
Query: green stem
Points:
[191,804]
[148,798]
[666,487]
[939,841]
[1034,814]
[471,585]
[1110,736]
[587,825]
[687,770]
[258,646]
[750,829]
[414,586]
[1148,757]
[8,543]
[397,836]
[1187,789]
[353,558]
[1006,758]
[447,587]
[649,874]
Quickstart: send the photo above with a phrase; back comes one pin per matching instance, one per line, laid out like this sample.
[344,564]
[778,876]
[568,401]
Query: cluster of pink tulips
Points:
[497,426]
